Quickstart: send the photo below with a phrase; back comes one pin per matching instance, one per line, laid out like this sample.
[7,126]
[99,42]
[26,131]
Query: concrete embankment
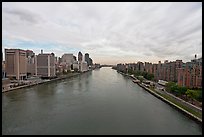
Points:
[172,104]
[197,119]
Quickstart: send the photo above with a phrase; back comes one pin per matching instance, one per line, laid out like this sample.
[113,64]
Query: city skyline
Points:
[111,32]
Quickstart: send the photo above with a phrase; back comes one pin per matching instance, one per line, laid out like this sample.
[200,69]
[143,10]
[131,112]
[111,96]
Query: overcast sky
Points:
[110,32]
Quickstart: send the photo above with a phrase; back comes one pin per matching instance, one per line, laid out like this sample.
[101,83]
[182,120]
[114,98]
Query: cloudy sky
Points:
[110,32]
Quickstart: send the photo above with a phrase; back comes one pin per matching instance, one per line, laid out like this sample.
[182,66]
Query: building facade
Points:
[187,74]
[76,65]
[80,56]
[3,70]
[68,58]
[74,57]
[67,61]
[46,65]
[190,75]
[83,66]
[86,56]
[31,60]
[16,64]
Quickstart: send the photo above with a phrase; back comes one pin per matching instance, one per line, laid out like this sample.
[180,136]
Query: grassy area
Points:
[198,114]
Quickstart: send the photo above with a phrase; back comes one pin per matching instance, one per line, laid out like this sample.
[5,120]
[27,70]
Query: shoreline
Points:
[190,115]
[44,82]
[172,104]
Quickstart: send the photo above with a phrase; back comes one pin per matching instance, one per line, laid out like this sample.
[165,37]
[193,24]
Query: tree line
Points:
[184,91]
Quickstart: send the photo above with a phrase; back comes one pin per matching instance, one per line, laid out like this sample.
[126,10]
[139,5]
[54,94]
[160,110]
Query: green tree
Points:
[192,94]
[130,71]
[171,86]
[174,89]
[200,95]
[149,76]
[182,90]
[137,73]
[140,78]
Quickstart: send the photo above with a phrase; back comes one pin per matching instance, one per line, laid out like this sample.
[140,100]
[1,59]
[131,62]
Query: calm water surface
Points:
[98,102]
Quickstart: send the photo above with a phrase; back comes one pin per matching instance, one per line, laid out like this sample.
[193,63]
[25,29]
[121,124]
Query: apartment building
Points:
[16,64]
[46,65]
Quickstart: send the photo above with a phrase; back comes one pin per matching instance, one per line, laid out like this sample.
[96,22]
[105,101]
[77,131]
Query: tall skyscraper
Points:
[90,61]
[30,56]
[15,63]
[80,56]
[74,57]
[87,59]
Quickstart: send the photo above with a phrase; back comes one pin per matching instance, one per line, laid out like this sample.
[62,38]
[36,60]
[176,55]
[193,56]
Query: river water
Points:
[97,102]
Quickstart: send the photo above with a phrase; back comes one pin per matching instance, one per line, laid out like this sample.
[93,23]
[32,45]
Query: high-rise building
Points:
[140,66]
[68,58]
[30,56]
[80,56]
[179,64]
[159,70]
[86,56]
[67,61]
[46,65]
[90,61]
[190,74]
[56,61]
[120,67]
[15,63]
[74,57]
[59,60]
[3,70]
[83,66]
[148,67]
[76,65]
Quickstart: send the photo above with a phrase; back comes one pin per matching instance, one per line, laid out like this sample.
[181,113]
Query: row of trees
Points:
[183,91]
[146,75]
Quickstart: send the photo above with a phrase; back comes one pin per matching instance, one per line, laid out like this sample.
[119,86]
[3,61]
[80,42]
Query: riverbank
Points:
[187,111]
[42,82]
[171,103]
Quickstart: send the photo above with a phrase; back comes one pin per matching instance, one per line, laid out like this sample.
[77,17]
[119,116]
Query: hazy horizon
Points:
[111,33]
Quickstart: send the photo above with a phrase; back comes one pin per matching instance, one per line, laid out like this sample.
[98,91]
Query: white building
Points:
[68,59]
[76,65]
[83,66]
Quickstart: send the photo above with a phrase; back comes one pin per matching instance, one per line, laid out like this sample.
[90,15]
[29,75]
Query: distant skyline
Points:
[111,33]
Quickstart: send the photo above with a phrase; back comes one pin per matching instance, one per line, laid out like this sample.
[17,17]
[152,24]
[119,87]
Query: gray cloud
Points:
[126,31]
[24,15]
